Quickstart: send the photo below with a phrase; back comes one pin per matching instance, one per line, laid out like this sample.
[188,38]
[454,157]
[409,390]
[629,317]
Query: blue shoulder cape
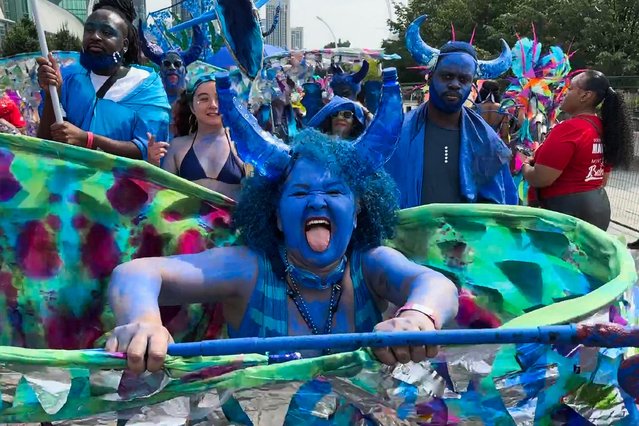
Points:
[145,109]
[484,161]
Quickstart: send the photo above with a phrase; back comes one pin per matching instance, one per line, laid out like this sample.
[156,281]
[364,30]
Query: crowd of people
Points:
[312,261]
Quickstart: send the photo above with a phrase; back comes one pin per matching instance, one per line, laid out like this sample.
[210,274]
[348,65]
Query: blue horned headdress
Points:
[348,85]
[272,158]
[427,55]
[173,62]
[156,54]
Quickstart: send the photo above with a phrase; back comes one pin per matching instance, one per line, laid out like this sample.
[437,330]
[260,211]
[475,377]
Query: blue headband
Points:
[190,91]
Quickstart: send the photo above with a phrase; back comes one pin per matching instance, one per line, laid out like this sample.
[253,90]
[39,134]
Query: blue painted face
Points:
[173,73]
[317,213]
[451,81]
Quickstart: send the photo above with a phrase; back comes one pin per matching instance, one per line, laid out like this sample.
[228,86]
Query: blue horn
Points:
[269,155]
[198,42]
[379,141]
[419,50]
[357,77]
[498,66]
[150,50]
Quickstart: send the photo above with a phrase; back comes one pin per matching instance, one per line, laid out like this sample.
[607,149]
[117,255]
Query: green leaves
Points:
[23,38]
[602,33]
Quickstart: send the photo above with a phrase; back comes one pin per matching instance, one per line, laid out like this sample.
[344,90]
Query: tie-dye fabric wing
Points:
[68,216]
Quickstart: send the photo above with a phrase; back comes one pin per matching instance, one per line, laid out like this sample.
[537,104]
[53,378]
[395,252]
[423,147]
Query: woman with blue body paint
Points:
[312,222]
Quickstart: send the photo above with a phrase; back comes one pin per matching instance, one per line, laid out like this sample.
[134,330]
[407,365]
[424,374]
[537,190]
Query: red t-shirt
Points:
[574,146]
[10,112]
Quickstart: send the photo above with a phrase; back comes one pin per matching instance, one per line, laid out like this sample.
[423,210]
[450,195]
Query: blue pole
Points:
[205,17]
[543,335]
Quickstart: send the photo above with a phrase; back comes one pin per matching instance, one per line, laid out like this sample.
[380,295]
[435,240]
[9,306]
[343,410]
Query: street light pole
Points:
[329,29]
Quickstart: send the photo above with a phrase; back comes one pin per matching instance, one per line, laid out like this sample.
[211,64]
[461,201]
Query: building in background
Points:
[54,15]
[297,38]
[140,9]
[82,8]
[5,24]
[14,10]
[76,7]
[179,11]
[282,35]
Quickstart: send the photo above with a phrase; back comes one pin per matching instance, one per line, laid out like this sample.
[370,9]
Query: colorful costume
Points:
[516,267]
[348,85]
[533,98]
[536,90]
[10,112]
[571,272]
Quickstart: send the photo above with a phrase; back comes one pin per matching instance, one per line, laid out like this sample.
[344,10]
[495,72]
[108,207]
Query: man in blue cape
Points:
[110,103]
[447,153]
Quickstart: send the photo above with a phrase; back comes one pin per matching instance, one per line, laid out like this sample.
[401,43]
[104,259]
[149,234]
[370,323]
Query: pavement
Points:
[623,192]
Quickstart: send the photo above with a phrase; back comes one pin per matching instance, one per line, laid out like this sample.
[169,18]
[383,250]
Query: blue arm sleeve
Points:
[510,190]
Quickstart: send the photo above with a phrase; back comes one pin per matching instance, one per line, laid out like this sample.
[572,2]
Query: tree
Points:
[601,33]
[340,43]
[64,40]
[21,38]
[435,31]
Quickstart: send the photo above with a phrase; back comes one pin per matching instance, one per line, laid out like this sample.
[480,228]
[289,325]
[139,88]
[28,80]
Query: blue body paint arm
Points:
[139,287]
[393,277]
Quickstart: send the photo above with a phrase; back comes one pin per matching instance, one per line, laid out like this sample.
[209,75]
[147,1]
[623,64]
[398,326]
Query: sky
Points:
[362,22]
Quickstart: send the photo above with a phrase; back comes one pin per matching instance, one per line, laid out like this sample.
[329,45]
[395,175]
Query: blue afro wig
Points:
[255,214]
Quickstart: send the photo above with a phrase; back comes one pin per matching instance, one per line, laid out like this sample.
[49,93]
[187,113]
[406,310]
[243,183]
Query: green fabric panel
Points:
[519,262]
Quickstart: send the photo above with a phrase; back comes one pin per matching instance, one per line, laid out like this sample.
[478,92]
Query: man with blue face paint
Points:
[173,62]
[109,101]
[447,153]
[312,222]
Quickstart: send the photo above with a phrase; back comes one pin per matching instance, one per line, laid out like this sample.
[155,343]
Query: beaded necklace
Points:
[294,293]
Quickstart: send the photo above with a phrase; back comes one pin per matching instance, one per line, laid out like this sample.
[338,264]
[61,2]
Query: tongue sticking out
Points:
[318,238]
[173,79]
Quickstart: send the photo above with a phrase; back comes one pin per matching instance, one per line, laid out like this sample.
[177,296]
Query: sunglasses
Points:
[343,114]
[176,64]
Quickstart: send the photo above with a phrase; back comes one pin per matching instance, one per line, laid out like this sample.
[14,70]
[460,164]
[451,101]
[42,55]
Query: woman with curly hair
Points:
[570,170]
[311,263]
[312,222]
